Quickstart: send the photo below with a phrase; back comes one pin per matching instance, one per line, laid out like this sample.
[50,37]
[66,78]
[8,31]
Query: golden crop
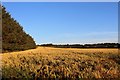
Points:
[46,62]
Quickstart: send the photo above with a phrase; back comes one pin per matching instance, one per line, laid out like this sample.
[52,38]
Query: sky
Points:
[67,22]
[60,0]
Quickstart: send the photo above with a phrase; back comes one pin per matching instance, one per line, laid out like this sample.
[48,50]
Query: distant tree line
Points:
[14,37]
[99,45]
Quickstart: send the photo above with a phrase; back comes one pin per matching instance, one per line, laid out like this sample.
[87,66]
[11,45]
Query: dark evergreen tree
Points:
[0,28]
[13,36]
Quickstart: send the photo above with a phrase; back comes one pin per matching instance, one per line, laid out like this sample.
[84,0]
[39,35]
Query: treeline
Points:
[14,37]
[99,45]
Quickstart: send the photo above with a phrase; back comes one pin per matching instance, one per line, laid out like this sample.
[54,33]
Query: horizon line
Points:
[76,43]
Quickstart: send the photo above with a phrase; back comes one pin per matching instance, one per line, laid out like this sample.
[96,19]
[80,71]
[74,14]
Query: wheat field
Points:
[47,62]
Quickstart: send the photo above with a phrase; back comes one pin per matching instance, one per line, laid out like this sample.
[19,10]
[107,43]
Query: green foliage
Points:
[0,28]
[99,45]
[13,36]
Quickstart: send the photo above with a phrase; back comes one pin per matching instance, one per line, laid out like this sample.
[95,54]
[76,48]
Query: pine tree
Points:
[13,36]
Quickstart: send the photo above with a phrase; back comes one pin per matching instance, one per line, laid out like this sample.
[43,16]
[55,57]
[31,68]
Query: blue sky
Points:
[69,22]
[60,0]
